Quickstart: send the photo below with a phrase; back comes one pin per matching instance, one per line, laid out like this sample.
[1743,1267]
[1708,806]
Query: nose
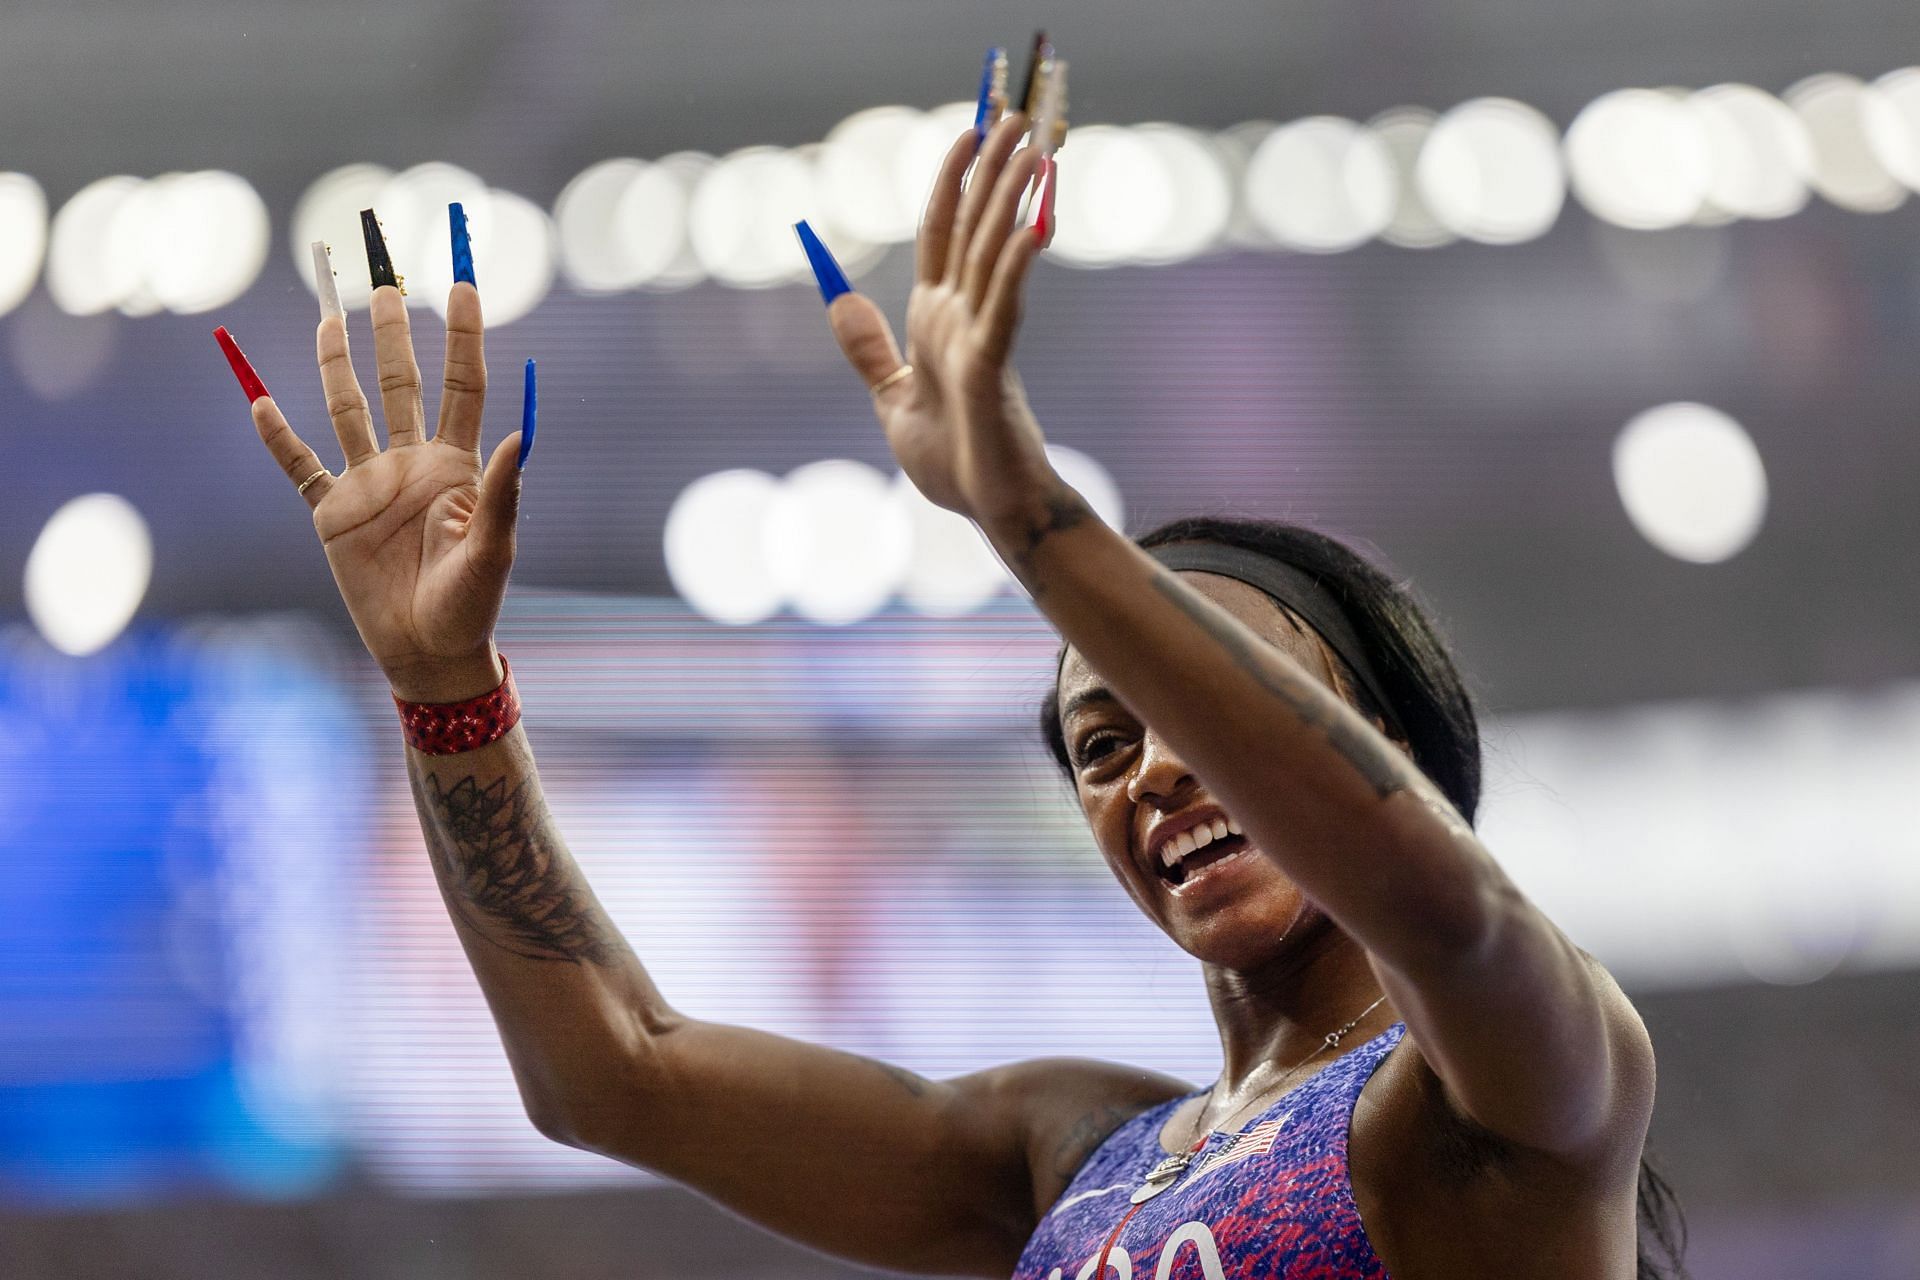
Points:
[1162,775]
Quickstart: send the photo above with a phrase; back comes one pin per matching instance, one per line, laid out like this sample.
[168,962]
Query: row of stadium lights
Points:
[838,541]
[1491,170]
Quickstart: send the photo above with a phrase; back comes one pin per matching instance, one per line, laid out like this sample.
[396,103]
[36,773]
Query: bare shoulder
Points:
[1068,1107]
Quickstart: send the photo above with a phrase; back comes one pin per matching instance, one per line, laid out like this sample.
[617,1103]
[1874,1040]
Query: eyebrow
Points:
[1084,698]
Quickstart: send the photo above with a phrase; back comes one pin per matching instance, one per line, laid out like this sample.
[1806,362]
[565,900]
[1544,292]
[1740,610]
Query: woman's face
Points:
[1225,902]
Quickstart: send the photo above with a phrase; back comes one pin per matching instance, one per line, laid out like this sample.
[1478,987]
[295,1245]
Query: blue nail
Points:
[462,247]
[827,272]
[529,415]
[995,56]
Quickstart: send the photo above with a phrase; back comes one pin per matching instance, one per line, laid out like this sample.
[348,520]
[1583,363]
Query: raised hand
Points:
[956,416]
[420,538]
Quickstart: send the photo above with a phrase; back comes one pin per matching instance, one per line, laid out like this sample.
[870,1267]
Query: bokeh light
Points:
[1491,171]
[715,546]
[1760,156]
[84,274]
[1321,185]
[860,175]
[1847,168]
[1640,158]
[23,237]
[952,570]
[1202,186]
[1893,124]
[620,224]
[1116,196]
[1691,480]
[88,572]
[329,210]
[1404,132]
[743,214]
[837,541]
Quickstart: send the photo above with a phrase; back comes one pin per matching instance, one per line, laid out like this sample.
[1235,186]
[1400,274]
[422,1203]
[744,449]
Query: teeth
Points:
[1220,831]
[1184,843]
[1234,827]
[1169,854]
[1202,836]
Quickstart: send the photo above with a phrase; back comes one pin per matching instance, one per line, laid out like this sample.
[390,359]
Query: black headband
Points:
[1293,588]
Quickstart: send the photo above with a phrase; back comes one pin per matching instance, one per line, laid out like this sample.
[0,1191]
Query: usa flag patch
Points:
[1257,1141]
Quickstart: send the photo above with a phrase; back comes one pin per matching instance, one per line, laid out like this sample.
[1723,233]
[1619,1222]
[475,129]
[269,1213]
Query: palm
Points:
[418,535]
[395,532]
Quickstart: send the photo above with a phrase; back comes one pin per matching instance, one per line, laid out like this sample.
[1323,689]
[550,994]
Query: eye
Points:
[1097,746]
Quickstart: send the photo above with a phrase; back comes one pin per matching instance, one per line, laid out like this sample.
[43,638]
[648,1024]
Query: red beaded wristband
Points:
[448,728]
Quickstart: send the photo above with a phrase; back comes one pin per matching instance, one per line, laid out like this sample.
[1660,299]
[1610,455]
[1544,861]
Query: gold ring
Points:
[310,479]
[904,371]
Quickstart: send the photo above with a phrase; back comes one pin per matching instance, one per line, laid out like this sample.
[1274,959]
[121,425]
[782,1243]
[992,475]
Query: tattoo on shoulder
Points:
[507,878]
[1376,759]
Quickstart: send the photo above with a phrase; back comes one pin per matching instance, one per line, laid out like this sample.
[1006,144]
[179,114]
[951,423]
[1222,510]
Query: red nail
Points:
[249,380]
[1049,183]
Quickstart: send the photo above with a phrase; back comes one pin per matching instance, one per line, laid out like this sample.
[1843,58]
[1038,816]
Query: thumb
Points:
[864,337]
[491,529]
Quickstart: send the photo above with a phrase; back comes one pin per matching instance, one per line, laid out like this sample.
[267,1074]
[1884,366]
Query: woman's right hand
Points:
[419,537]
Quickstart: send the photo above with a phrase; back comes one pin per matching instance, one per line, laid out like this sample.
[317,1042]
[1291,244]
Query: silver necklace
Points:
[1168,1171]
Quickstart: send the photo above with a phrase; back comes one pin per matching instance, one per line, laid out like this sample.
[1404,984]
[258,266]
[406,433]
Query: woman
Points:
[1421,1075]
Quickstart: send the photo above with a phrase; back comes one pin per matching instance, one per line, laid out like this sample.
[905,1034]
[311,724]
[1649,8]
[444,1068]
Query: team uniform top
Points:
[1272,1202]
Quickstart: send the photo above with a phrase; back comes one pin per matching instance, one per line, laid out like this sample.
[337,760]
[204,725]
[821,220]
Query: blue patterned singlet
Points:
[1272,1202]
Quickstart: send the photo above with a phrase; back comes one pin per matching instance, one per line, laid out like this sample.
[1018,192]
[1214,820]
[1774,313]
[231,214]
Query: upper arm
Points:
[846,1154]
[1532,1038]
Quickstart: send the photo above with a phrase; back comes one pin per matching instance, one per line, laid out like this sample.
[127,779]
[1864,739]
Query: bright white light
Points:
[593,254]
[88,572]
[1202,189]
[1116,197]
[952,570]
[1640,158]
[837,541]
[1321,185]
[1404,131]
[200,238]
[743,215]
[1491,171]
[1760,153]
[23,237]
[84,273]
[1091,481]
[1846,168]
[653,221]
[859,173]
[515,242]
[330,211]
[1691,481]
[715,546]
[1893,125]
[917,161]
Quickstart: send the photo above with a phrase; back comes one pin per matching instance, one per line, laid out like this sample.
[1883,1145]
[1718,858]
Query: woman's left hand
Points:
[958,422]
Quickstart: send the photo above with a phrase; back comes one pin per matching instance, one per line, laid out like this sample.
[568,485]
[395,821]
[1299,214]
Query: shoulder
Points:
[1066,1107]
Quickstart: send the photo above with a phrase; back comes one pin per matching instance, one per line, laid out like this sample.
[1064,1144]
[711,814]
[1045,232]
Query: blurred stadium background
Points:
[1598,324]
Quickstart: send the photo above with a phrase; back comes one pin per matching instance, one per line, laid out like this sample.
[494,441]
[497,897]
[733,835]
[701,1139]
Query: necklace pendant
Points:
[1164,1175]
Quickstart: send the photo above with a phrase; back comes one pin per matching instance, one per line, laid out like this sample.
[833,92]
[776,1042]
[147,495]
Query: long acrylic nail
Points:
[1042,50]
[993,85]
[242,368]
[826,272]
[529,415]
[462,246]
[324,282]
[1049,184]
[379,261]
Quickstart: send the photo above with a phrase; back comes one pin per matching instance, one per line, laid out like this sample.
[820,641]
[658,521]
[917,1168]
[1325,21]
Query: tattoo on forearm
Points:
[505,875]
[1064,509]
[1377,760]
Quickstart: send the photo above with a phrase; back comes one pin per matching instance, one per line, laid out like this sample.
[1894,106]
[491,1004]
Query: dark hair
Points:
[1433,709]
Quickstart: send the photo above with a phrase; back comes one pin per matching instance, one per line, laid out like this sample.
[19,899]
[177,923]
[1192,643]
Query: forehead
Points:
[1249,604]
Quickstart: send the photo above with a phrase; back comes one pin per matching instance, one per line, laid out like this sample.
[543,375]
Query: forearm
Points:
[575,1009]
[1342,809]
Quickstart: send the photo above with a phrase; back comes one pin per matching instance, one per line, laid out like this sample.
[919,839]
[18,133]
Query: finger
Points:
[986,171]
[399,374]
[936,225]
[463,391]
[867,341]
[290,451]
[1002,210]
[999,315]
[346,402]
[498,511]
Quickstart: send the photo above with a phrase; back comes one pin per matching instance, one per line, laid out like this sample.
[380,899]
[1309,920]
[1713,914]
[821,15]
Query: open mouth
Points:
[1199,860]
